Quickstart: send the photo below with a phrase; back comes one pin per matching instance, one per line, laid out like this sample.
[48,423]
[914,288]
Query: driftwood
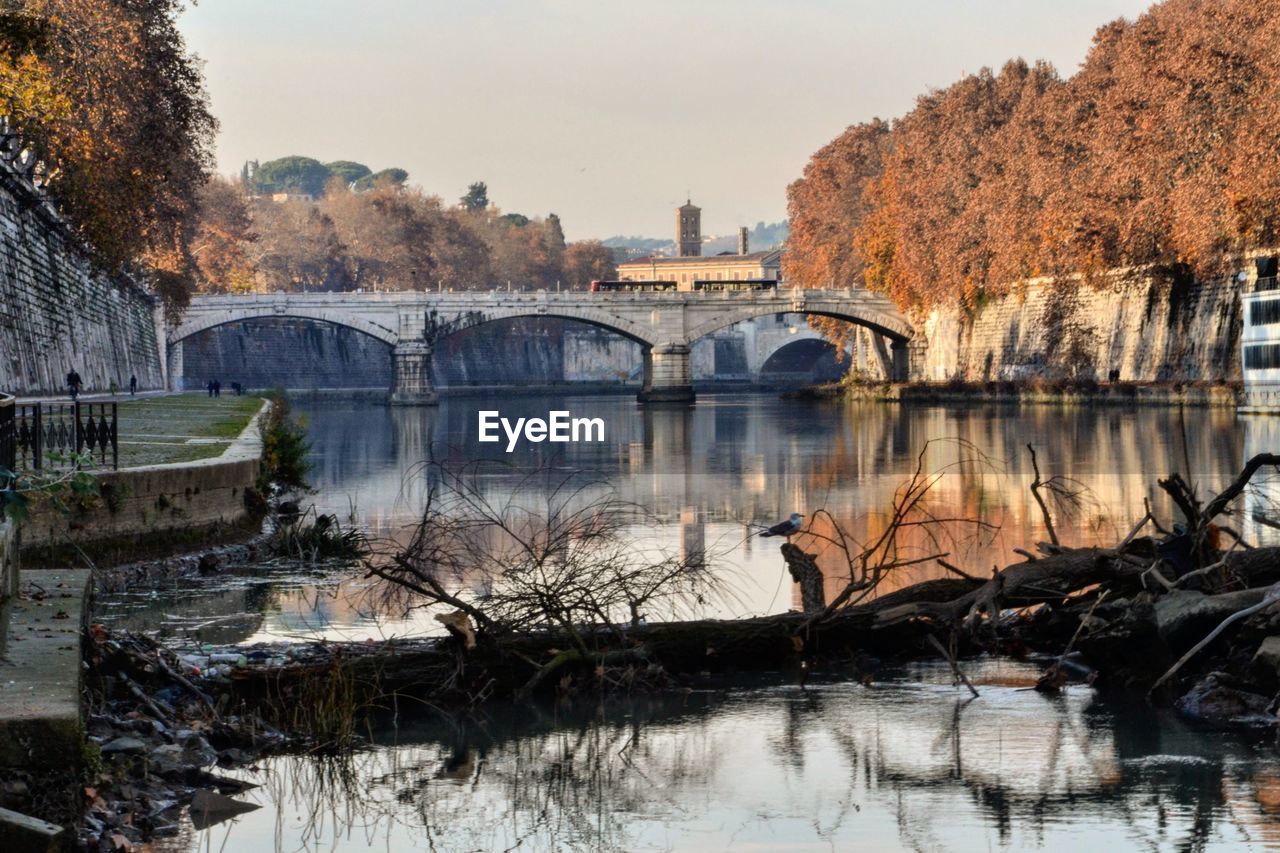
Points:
[1051,578]
[1271,597]
[955,665]
[1104,601]
[895,623]
[1054,677]
[1036,485]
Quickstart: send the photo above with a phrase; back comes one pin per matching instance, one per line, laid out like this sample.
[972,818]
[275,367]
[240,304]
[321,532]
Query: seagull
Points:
[785,528]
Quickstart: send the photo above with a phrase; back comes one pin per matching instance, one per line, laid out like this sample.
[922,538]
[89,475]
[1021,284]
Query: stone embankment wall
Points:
[58,312]
[175,502]
[288,353]
[1149,329]
[303,354]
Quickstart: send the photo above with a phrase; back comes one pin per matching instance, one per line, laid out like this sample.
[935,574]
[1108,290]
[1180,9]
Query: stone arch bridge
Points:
[664,324]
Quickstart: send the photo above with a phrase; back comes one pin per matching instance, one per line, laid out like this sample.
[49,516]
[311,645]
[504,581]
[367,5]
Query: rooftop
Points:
[710,260]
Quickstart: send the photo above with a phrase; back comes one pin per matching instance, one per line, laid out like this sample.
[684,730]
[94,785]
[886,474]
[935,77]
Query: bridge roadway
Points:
[664,324]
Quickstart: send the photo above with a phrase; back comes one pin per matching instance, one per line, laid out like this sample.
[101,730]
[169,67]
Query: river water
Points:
[908,763]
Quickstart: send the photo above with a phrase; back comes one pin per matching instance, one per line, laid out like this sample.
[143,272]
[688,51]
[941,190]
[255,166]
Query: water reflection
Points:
[906,764]
[708,472]
[909,763]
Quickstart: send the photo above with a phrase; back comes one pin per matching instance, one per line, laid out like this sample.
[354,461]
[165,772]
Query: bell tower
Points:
[688,230]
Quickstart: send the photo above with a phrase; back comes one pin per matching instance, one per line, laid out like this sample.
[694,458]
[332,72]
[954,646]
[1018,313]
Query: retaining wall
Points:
[59,312]
[154,502]
[1150,329]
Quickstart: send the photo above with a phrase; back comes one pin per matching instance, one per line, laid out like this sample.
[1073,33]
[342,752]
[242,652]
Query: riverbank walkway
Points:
[41,728]
[160,428]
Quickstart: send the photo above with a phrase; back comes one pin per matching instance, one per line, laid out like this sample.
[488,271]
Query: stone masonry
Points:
[59,312]
[1149,329]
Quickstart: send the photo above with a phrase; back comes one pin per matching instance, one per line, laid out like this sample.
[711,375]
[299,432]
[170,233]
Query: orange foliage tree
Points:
[1158,152]
[116,109]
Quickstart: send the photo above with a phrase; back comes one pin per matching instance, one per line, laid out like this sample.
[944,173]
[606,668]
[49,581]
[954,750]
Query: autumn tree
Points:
[115,106]
[30,99]
[463,257]
[826,206]
[382,236]
[586,261]
[224,238]
[523,254]
[390,235]
[298,248]
[1150,156]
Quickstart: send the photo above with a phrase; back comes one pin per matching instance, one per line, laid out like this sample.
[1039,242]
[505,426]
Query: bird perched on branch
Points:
[785,528]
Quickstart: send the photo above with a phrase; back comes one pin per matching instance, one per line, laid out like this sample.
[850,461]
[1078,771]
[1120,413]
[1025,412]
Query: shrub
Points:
[284,448]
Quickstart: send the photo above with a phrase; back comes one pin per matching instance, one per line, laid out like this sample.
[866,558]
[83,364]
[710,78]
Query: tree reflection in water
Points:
[905,763]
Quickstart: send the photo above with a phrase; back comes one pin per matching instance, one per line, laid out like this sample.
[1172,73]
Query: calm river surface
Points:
[908,763]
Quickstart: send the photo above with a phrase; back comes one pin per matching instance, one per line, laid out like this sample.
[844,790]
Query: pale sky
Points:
[601,111]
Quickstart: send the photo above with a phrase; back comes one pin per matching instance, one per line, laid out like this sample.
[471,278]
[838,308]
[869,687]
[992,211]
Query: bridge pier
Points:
[900,361]
[411,363]
[174,368]
[667,375]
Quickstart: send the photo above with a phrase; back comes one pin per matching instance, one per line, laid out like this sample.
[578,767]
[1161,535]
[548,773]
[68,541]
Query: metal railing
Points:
[54,435]
[1266,283]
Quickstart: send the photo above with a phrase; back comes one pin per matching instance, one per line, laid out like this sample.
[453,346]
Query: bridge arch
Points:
[811,356]
[203,321]
[891,325]
[593,317]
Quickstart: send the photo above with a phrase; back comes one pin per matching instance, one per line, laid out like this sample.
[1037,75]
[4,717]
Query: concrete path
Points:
[40,670]
[41,730]
[157,428]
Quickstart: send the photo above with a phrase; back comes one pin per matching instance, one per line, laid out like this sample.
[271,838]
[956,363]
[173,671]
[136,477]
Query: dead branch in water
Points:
[1036,485]
[871,562]
[1219,504]
[1271,598]
[557,592]
[549,555]
[955,665]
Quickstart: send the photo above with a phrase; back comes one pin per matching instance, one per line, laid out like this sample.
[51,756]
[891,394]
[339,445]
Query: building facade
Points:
[690,265]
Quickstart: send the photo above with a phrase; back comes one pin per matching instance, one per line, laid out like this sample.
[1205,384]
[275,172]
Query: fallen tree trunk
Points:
[1047,579]
[895,624]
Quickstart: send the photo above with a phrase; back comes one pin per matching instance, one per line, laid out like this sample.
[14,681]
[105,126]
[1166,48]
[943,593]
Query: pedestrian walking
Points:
[73,383]
[217,388]
[210,387]
[133,384]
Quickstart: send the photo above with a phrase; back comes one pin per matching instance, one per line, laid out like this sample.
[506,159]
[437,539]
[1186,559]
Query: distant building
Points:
[690,265]
[1260,337]
[688,230]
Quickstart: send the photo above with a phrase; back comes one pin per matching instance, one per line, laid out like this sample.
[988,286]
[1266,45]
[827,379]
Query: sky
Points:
[607,113]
